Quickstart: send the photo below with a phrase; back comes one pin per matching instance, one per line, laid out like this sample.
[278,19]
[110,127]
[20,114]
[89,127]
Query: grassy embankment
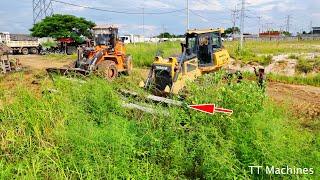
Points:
[81,131]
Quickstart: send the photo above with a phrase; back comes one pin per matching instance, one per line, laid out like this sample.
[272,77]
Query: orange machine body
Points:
[118,55]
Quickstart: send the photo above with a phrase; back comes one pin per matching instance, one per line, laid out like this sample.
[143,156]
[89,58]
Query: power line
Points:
[205,18]
[118,12]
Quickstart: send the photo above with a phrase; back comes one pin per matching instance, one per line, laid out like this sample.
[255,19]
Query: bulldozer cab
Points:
[105,36]
[203,44]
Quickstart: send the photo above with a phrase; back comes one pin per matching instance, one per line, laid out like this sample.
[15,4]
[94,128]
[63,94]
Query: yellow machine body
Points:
[202,53]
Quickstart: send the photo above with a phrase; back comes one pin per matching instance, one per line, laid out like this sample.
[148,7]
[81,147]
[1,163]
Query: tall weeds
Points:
[81,131]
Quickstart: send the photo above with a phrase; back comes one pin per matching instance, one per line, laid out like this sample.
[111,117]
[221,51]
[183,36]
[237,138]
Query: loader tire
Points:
[128,65]
[107,70]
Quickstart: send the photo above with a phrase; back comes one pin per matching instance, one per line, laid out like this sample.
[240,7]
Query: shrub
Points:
[293,56]
[304,66]
[266,60]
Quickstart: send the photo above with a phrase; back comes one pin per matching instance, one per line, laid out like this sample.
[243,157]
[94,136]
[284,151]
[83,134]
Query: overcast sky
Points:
[16,15]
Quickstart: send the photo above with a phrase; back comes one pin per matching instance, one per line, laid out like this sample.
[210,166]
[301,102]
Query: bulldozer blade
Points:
[145,109]
[67,71]
[155,99]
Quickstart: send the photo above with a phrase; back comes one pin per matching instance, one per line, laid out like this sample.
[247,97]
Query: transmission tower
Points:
[288,23]
[41,9]
[234,20]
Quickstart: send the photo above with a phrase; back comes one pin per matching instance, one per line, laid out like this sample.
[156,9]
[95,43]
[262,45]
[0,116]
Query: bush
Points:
[293,56]
[304,66]
[49,44]
[266,60]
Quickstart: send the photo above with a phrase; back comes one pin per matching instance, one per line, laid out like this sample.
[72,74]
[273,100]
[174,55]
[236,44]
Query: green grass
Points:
[60,57]
[82,132]
[144,53]
[256,51]
[313,80]
[310,79]
[308,65]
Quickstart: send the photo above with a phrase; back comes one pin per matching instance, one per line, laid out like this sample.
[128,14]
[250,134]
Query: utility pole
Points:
[41,9]
[163,31]
[259,19]
[188,16]
[234,19]
[242,23]
[143,23]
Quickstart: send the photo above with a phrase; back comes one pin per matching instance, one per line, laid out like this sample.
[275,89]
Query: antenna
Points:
[41,9]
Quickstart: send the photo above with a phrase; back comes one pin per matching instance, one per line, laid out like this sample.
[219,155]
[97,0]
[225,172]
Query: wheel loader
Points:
[202,52]
[107,58]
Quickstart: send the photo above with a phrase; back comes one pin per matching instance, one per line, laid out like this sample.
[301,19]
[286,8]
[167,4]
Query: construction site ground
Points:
[302,100]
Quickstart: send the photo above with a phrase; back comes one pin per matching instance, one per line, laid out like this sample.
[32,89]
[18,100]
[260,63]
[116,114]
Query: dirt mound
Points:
[305,100]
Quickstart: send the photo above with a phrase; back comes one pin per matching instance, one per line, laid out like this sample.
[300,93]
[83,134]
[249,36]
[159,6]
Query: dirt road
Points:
[36,62]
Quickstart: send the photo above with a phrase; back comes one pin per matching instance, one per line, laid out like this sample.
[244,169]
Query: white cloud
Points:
[149,30]
[157,4]
[203,5]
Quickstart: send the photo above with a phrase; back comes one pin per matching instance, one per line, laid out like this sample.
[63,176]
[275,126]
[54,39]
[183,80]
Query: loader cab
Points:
[105,36]
[203,44]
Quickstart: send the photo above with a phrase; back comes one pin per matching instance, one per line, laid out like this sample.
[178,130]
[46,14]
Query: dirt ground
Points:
[303,100]
[37,62]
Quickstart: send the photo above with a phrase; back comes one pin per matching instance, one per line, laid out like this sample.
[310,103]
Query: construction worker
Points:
[261,77]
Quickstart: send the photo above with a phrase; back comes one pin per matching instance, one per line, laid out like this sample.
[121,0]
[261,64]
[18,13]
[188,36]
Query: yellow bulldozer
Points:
[202,52]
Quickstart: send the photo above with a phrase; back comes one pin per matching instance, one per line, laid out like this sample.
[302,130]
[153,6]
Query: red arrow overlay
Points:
[210,109]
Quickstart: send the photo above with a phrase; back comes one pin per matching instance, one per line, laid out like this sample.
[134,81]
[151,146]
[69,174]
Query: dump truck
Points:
[21,43]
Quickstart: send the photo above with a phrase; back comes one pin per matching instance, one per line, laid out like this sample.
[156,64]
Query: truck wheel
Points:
[107,70]
[128,65]
[25,51]
[34,51]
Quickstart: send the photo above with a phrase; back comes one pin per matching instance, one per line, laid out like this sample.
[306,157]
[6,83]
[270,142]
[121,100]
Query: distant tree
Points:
[286,33]
[63,26]
[231,30]
[180,36]
[166,35]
